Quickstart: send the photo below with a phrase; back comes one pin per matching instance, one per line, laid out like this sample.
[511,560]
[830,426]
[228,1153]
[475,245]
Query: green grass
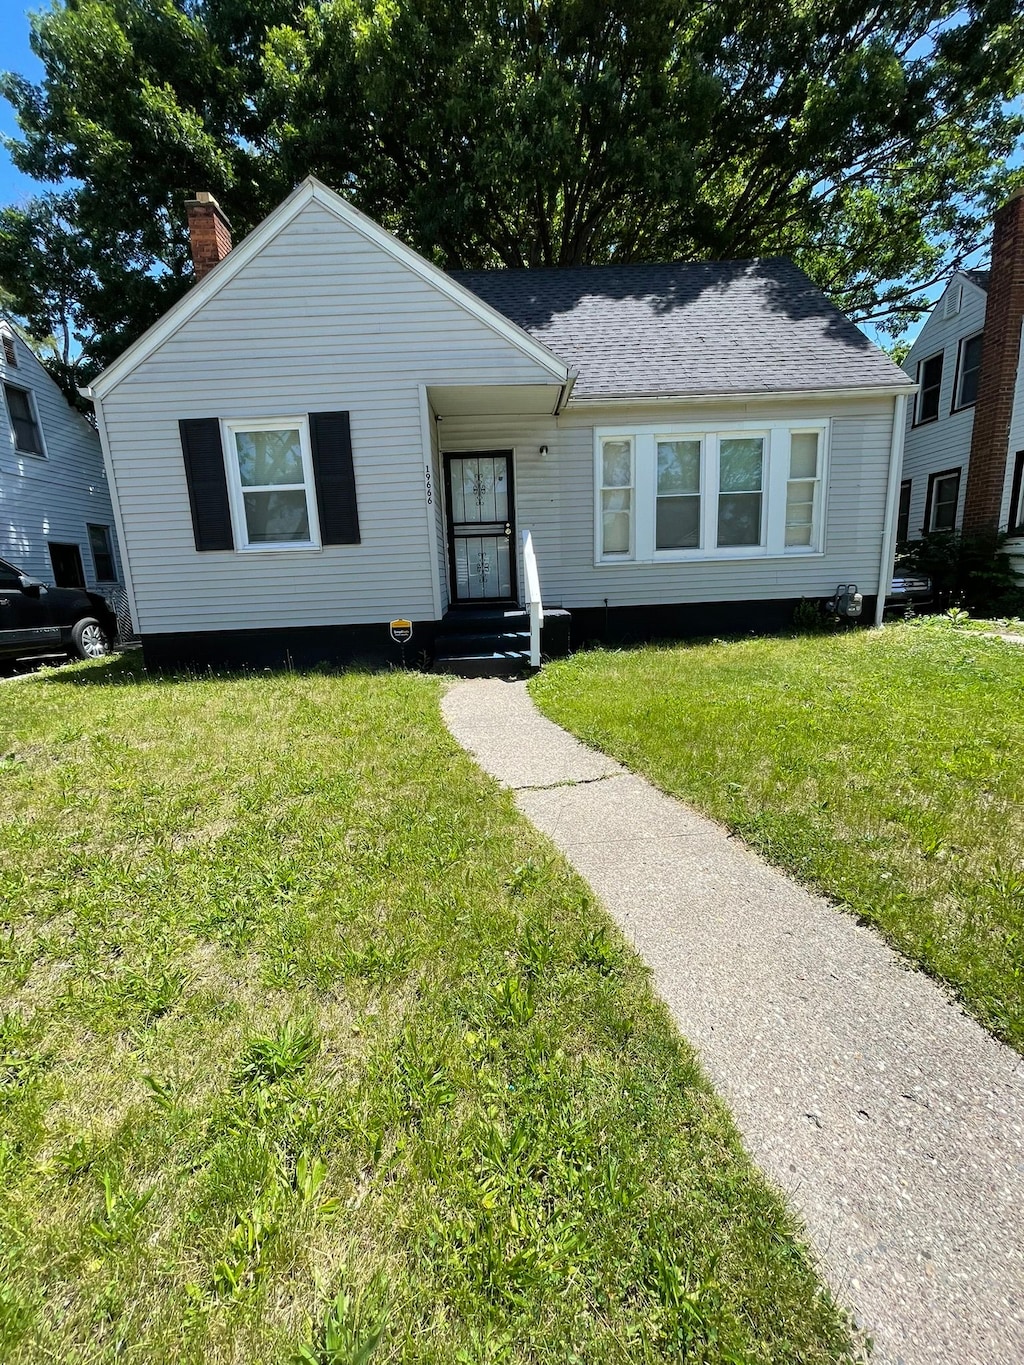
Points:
[883,767]
[312,1050]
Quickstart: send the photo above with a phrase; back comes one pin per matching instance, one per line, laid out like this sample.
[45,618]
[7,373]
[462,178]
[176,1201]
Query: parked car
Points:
[909,590]
[36,619]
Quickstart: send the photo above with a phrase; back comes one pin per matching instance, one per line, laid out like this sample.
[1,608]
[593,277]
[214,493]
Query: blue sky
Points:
[15,55]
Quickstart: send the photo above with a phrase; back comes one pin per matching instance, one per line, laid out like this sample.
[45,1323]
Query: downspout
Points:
[115,504]
[899,428]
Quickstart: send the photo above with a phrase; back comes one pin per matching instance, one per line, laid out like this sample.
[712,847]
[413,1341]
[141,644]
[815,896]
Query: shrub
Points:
[969,569]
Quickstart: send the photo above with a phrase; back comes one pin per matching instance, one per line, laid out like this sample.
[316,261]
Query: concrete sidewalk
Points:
[894,1123]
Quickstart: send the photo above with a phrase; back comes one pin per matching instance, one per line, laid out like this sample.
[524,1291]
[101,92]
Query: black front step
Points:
[462,620]
[514,642]
[493,665]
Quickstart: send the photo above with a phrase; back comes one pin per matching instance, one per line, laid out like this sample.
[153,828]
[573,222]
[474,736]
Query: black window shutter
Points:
[331,443]
[207,483]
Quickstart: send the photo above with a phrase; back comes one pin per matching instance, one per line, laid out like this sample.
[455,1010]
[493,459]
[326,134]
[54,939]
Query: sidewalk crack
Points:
[568,782]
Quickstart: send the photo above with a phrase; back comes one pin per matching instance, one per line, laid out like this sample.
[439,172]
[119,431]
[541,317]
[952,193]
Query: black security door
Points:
[481,526]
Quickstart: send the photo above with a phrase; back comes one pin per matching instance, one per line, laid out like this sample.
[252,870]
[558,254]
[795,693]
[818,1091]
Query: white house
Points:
[328,433]
[963,462]
[56,519]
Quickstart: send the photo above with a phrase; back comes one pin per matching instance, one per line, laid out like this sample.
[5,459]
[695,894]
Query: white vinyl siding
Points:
[556,499]
[946,442]
[321,320]
[1016,442]
[57,498]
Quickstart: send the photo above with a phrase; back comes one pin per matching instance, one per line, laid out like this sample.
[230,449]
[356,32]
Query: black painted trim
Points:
[287,647]
[371,645]
[446,460]
[620,626]
[330,440]
[903,513]
[203,453]
[920,421]
[1016,502]
[932,480]
[954,404]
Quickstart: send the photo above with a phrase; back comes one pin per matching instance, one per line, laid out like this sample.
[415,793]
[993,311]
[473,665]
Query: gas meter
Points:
[847,601]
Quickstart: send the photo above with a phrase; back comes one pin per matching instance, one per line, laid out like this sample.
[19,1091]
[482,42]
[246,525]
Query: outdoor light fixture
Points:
[543,451]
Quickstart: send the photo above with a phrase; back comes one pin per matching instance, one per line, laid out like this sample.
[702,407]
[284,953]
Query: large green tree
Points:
[870,143]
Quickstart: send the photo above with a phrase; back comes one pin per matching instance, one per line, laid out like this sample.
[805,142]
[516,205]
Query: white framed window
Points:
[803,490]
[741,480]
[741,491]
[25,425]
[677,514]
[270,484]
[615,494]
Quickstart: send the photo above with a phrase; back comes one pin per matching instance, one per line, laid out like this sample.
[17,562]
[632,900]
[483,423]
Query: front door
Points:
[481,529]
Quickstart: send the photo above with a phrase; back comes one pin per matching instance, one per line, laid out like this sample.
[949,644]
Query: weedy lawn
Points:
[883,767]
[312,1051]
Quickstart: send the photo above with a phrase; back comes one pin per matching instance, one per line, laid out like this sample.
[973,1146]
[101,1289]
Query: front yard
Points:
[308,1041]
[884,768]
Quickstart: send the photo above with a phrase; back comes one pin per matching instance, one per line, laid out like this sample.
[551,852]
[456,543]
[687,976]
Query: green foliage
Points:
[878,766]
[868,143]
[968,569]
[810,617]
[230,1132]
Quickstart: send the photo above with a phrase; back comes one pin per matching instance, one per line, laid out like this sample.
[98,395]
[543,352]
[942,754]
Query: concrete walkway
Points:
[894,1123]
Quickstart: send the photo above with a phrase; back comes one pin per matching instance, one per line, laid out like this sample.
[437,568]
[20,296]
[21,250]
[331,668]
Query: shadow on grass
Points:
[128,670]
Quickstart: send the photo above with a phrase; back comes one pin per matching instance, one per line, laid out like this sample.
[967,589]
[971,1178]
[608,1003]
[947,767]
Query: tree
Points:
[868,143]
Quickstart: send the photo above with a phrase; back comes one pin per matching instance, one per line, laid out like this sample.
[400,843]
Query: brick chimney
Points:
[1004,314]
[209,231]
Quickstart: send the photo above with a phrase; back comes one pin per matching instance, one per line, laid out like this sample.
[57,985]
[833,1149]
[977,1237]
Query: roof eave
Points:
[734,395]
[312,189]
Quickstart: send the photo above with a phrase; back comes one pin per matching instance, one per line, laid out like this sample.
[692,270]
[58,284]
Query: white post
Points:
[899,426]
[533,599]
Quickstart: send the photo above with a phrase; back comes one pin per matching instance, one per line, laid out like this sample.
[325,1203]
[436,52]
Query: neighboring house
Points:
[329,433]
[56,520]
[963,460]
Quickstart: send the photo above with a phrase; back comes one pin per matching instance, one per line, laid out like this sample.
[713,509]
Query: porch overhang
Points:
[499,400]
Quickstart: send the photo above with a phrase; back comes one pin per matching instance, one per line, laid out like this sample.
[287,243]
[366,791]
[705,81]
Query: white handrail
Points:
[534,605]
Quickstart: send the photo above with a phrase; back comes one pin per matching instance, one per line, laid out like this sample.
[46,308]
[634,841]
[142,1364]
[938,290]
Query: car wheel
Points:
[89,639]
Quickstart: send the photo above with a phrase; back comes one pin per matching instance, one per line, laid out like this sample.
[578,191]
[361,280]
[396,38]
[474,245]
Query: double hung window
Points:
[732,493]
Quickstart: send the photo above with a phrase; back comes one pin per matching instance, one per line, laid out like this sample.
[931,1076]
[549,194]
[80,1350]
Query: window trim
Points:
[920,421]
[956,403]
[42,454]
[703,519]
[615,557]
[91,526]
[817,545]
[1017,496]
[929,506]
[775,476]
[236,504]
[908,485]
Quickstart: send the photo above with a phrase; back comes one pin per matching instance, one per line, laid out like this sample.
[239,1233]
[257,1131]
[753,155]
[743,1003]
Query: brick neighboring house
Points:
[963,459]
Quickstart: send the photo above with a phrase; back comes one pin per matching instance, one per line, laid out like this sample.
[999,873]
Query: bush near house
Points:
[311,1050]
[969,570]
[882,767]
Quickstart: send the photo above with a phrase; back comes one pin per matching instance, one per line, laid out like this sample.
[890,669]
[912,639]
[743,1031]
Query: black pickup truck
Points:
[36,619]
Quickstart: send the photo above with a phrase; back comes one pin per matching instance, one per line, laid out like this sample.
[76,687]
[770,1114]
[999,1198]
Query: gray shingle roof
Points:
[978,277]
[705,328]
